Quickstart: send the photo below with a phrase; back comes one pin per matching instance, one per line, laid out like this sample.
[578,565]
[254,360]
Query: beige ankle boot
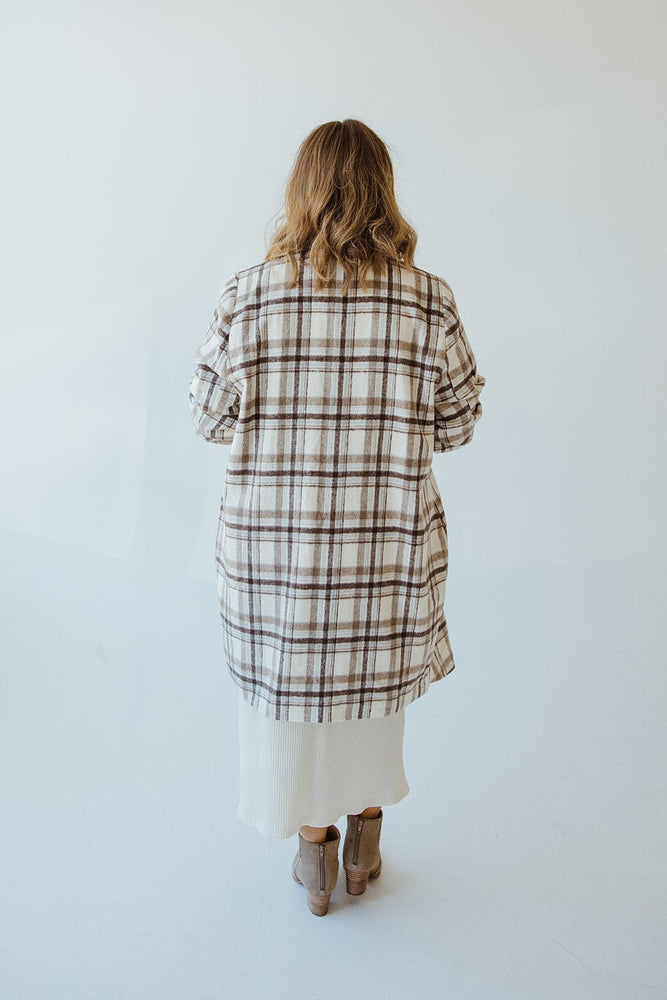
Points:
[361,851]
[316,867]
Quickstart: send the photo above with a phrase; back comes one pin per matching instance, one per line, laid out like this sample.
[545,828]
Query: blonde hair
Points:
[340,206]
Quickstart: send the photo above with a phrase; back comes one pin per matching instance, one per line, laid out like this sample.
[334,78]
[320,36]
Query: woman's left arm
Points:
[214,399]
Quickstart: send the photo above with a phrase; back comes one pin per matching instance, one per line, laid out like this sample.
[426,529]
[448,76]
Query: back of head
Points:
[340,206]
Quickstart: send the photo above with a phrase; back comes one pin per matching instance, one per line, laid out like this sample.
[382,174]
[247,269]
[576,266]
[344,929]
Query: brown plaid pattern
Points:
[331,546]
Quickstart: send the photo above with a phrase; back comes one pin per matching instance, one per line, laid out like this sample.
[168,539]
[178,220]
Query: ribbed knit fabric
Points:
[293,774]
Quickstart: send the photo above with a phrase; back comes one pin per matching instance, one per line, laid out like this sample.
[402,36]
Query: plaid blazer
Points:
[331,545]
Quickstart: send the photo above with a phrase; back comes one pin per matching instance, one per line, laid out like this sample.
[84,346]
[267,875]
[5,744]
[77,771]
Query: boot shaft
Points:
[361,850]
[317,863]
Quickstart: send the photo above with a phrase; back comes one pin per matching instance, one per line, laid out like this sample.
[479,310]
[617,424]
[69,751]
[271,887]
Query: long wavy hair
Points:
[340,207]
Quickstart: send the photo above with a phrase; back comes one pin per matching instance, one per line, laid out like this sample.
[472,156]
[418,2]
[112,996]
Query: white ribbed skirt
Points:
[293,774]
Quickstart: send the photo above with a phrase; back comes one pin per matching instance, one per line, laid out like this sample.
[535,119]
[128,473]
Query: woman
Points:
[334,368]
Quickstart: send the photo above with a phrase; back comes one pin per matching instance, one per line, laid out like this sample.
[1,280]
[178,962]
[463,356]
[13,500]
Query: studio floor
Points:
[526,862]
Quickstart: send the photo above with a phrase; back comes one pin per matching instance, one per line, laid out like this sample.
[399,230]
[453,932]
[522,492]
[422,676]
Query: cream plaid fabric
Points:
[331,548]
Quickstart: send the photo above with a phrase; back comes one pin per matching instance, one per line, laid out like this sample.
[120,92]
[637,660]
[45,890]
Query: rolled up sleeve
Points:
[214,399]
[457,404]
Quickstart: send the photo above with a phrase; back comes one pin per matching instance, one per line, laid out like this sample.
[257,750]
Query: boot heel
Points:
[356,882]
[319,905]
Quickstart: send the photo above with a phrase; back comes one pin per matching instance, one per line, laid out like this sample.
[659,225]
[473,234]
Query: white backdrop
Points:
[145,150]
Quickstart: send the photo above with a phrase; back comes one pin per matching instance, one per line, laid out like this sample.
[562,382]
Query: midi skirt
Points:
[294,774]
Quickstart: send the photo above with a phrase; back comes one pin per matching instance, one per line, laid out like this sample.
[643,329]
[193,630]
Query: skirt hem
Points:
[284,833]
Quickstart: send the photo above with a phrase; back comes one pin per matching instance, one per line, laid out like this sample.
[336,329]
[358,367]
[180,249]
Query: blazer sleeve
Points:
[214,400]
[457,405]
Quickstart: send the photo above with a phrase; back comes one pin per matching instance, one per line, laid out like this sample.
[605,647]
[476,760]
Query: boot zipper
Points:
[321,847]
[355,854]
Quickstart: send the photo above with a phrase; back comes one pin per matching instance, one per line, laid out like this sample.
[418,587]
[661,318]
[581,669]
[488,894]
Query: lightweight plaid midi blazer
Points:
[331,546]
